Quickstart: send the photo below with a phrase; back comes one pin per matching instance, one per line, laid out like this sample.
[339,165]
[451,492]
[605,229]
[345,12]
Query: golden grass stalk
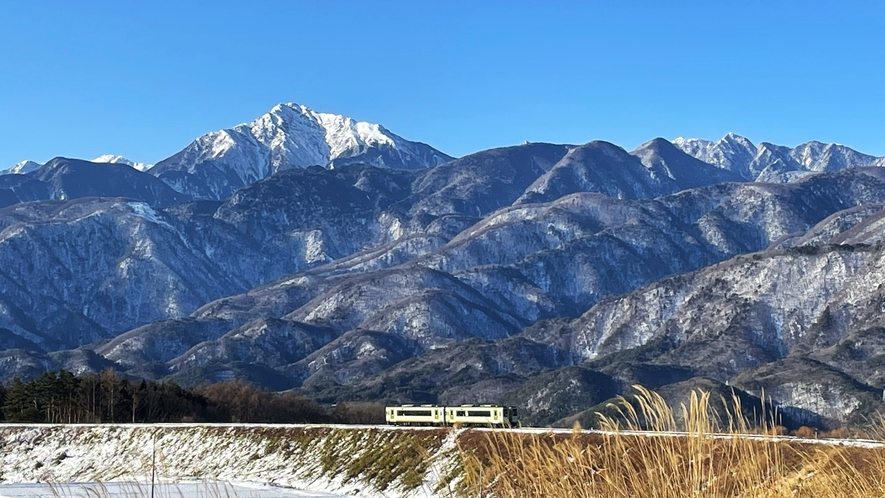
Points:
[643,452]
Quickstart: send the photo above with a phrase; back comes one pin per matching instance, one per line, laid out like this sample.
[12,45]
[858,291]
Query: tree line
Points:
[61,397]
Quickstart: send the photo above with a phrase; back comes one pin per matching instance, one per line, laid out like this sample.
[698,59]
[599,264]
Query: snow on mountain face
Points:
[112,159]
[816,156]
[769,163]
[289,136]
[21,168]
[733,152]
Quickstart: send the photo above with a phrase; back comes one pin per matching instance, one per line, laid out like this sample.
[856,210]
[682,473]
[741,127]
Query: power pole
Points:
[153,459]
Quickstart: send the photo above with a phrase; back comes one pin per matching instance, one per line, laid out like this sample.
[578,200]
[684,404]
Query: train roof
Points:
[451,406]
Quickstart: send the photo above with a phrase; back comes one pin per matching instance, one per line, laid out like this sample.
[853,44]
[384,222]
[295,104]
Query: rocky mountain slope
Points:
[353,218]
[486,278]
[802,323]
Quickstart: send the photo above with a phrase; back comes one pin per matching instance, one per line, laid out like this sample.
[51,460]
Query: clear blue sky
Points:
[144,78]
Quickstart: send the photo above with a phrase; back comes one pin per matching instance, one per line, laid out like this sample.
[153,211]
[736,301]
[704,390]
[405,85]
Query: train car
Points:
[415,415]
[482,415]
[476,415]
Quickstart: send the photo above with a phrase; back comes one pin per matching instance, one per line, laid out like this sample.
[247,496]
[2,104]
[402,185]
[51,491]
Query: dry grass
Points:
[707,461]
[205,489]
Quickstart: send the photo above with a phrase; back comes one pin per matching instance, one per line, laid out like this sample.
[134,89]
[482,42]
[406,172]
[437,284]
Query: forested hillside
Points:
[62,398]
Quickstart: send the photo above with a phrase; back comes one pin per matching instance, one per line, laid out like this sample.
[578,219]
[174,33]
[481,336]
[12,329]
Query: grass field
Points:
[646,449]
[637,456]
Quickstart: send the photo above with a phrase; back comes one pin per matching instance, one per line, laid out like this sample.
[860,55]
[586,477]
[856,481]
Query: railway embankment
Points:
[352,460]
[393,462]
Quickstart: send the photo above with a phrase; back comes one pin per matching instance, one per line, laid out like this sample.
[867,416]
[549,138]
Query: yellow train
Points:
[476,415]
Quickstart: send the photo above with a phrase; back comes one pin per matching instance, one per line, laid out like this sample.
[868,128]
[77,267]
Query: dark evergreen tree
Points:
[21,403]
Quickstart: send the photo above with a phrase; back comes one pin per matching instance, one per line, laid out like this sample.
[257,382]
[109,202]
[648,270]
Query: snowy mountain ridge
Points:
[28,166]
[21,168]
[289,136]
[773,163]
[114,159]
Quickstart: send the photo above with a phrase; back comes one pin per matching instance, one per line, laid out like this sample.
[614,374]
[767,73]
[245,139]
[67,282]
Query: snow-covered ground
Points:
[138,489]
[242,460]
[322,460]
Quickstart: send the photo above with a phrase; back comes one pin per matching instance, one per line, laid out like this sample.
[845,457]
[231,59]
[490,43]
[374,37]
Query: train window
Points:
[413,413]
[460,413]
[479,413]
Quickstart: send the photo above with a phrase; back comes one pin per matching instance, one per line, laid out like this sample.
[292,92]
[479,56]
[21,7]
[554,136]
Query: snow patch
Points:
[21,168]
[112,159]
[143,210]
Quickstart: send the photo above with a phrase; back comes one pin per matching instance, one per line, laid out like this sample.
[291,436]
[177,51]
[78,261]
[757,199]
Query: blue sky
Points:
[143,79]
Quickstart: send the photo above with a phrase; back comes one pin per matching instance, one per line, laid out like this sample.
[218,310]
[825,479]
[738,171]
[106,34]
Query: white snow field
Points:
[138,489]
[260,460]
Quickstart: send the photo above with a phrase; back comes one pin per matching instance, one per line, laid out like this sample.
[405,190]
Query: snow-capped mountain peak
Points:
[732,152]
[112,159]
[736,143]
[288,136]
[774,163]
[342,135]
[817,156]
[21,168]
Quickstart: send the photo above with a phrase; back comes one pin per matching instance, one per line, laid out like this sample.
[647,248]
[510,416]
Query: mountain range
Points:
[774,163]
[309,251]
